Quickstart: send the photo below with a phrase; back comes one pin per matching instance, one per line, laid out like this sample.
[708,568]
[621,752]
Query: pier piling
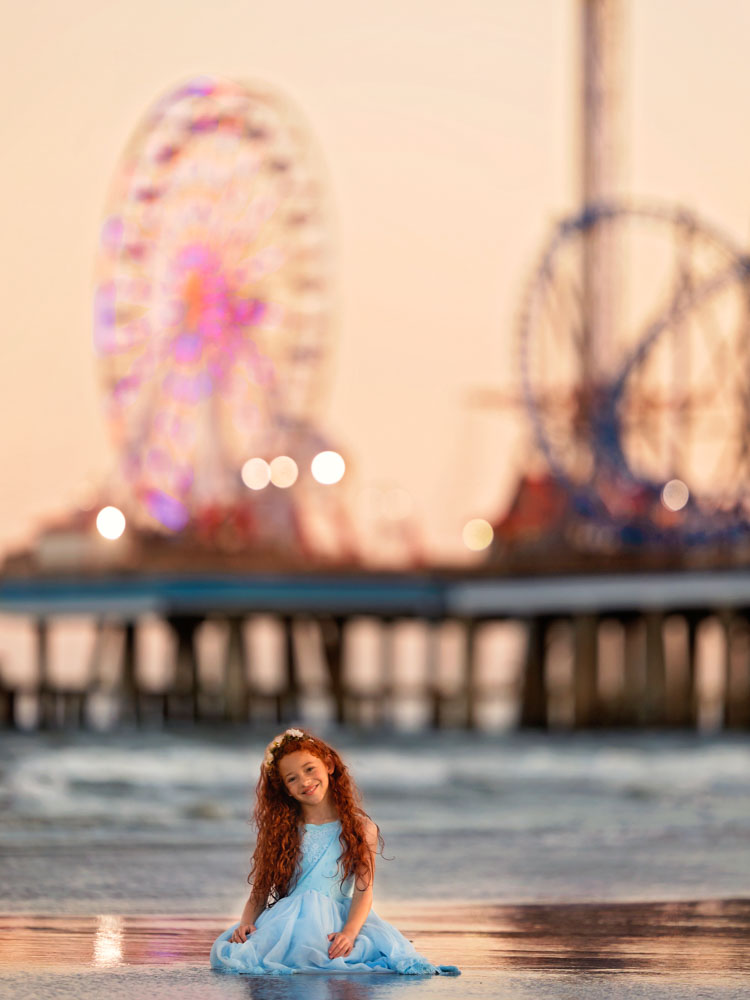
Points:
[534,700]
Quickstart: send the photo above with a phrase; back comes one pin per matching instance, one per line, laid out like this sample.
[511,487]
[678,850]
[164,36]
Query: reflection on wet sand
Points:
[323,987]
[655,938]
[703,936]
[108,941]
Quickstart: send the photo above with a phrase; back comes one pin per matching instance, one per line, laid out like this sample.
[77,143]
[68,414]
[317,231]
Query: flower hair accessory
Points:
[277,741]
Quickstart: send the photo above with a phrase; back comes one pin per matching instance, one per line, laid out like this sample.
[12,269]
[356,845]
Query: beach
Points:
[615,864]
[686,949]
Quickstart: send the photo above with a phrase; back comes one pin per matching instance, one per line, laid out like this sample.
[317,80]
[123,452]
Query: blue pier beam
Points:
[420,596]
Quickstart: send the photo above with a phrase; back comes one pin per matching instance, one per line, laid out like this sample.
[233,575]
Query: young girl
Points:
[312,875]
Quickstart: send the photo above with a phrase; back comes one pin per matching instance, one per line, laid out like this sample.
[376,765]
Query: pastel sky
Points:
[449,134]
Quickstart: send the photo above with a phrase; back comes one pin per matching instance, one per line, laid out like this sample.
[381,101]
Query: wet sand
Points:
[686,949]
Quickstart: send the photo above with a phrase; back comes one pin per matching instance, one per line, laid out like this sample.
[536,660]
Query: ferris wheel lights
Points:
[675,494]
[105,334]
[170,512]
[112,232]
[284,472]
[187,347]
[190,329]
[200,86]
[256,474]
[328,467]
[477,534]
[110,523]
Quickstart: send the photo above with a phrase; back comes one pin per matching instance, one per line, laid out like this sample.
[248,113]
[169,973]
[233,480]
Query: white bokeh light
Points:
[328,467]
[108,942]
[477,534]
[110,523]
[256,473]
[675,494]
[284,472]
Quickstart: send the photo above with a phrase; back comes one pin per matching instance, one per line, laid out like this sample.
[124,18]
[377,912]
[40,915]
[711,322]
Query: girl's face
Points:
[305,777]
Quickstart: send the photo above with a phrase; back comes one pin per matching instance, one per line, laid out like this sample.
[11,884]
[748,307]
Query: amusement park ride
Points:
[213,325]
[211,329]
[647,452]
[635,369]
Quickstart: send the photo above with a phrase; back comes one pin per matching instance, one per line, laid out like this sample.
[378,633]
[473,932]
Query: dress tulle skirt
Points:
[292,936]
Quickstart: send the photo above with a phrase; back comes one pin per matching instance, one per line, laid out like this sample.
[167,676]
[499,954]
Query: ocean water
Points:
[158,822]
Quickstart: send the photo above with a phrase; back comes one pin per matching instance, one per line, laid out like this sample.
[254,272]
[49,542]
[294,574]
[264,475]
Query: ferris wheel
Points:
[664,403]
[212,303]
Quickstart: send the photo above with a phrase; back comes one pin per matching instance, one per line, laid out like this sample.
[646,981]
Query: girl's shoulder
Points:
[371,832]
[369,828]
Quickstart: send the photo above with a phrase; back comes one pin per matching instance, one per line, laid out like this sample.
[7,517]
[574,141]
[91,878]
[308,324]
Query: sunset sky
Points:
[449,136]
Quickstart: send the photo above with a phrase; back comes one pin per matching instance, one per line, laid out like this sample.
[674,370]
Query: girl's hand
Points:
[240,933]
[341,944]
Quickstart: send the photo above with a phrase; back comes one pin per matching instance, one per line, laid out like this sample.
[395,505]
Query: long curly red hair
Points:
[277,818]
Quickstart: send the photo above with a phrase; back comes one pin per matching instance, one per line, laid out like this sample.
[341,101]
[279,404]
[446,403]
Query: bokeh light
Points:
[108,942]
[477,534]
[328,467]
[170,512]
[256,473]
[284,472]
[675,494]
[110,523]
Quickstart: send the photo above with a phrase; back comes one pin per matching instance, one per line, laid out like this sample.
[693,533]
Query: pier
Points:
[656,650]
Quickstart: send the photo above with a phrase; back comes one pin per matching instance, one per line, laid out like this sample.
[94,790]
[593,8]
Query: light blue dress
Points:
[292,935]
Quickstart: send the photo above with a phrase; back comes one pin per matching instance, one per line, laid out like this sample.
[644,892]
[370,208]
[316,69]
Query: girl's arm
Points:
[253,908]
[343,941]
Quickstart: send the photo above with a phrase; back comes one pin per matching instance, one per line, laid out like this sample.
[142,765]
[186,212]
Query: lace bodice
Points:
[315,841]
[319,867]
